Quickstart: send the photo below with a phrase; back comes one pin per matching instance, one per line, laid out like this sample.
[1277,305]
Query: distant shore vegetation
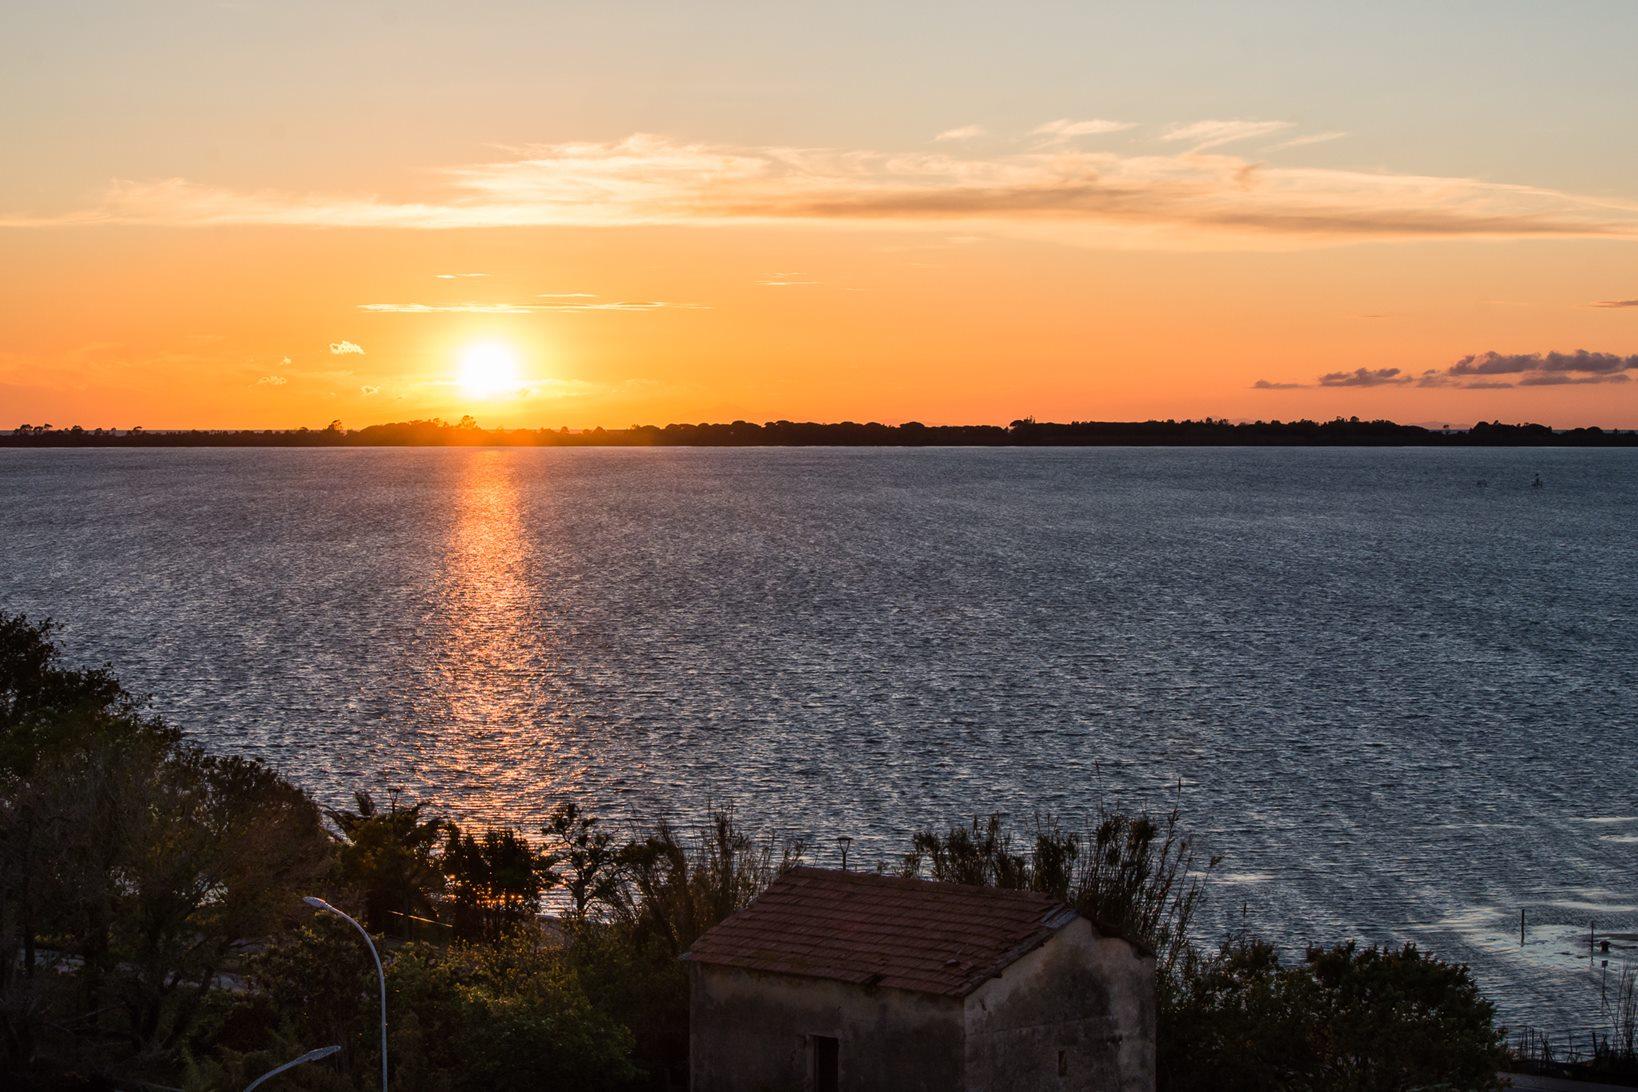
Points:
[153,931]
[1026,432]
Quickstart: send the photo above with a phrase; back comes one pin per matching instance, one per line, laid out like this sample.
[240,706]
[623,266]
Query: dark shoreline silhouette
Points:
[1208,432]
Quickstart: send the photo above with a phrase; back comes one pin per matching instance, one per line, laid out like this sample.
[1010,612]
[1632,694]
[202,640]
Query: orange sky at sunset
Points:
[298,215]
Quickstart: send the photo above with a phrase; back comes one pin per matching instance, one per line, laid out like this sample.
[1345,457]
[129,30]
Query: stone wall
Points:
[1075,1015]
[749,1032]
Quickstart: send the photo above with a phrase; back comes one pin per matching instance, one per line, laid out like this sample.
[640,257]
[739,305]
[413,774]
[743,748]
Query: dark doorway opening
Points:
[827,1063]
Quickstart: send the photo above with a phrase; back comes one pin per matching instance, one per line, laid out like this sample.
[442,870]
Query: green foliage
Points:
[216,851]
[1346,1019]
[493,883]
[582,858]
[131,865]
[672,888]
[388,859]
[49,710]
[505,1014]
[314,985]
[1135,875]
[651,902]
[510,1015]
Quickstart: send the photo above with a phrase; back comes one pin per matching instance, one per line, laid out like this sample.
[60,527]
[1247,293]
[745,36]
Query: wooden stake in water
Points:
[1521,927]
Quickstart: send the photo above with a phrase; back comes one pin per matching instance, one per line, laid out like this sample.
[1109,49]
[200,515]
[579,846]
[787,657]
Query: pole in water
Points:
[846,841]
[1521,927]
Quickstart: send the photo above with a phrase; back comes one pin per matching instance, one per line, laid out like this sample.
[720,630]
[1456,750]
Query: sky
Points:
[261,214]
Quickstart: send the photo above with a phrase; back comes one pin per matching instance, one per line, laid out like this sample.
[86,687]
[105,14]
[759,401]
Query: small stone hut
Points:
[848,980]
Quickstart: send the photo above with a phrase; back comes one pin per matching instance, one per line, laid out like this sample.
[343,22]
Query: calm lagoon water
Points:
[1403,706]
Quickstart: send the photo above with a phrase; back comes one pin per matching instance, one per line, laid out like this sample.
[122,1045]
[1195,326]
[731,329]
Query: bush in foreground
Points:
[502,1016]
[1344,1019]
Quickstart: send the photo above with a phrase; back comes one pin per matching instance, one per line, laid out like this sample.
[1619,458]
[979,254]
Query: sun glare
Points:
[488,371]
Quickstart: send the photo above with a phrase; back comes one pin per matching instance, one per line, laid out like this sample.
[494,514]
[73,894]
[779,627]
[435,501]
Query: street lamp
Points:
[310,1056]
[381,975]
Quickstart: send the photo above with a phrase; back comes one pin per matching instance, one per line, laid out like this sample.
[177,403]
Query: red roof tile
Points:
[940,938]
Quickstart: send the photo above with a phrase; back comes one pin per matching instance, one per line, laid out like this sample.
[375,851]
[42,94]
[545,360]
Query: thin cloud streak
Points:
[1203,135]
[1069,127]
[1191,201]
[527,308]
[1306,141]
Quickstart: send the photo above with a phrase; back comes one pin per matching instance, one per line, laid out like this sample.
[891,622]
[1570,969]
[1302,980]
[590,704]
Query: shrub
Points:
[1133,874]
[662,892]
[492,882]
[388,858]
[1347,1018]
[509,1016]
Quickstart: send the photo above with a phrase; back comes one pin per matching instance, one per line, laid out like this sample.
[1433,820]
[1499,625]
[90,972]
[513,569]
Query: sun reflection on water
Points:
[494,750]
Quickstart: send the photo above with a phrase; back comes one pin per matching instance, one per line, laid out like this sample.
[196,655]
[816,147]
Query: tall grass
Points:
[1134,874]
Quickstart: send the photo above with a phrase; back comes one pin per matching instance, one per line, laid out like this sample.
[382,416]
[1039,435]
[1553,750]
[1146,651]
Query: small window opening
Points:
[827,1057]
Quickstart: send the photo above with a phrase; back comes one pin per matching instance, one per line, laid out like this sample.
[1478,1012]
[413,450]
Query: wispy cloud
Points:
[346,348]
[961,132]
[448,308]
[1191,200]
[624,305]
[1615,303]
[1554,379]
[787,280]
[1487,371]
[272,381]
[458,276]
[570,302]
[1202,135]
[1305,141]
[1072,127]
[369,391]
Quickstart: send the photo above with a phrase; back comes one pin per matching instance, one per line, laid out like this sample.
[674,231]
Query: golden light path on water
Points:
[494,753]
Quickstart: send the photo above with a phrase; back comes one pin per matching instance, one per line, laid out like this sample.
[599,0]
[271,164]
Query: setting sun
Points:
[488,371]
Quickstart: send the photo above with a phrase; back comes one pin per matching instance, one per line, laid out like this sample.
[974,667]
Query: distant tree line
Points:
[153,934]
[1027,432]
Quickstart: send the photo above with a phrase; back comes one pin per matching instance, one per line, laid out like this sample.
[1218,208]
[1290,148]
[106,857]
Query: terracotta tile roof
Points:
[940,938]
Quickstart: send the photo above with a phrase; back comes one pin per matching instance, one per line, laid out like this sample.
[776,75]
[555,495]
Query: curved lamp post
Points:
[310,1056]
[381,975]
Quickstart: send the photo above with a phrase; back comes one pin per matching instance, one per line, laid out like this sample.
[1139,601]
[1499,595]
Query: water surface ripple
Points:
[1400,704]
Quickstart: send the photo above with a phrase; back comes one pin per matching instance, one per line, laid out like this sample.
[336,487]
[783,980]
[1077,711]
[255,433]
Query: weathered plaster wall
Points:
[1088,996]
[749,1033]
